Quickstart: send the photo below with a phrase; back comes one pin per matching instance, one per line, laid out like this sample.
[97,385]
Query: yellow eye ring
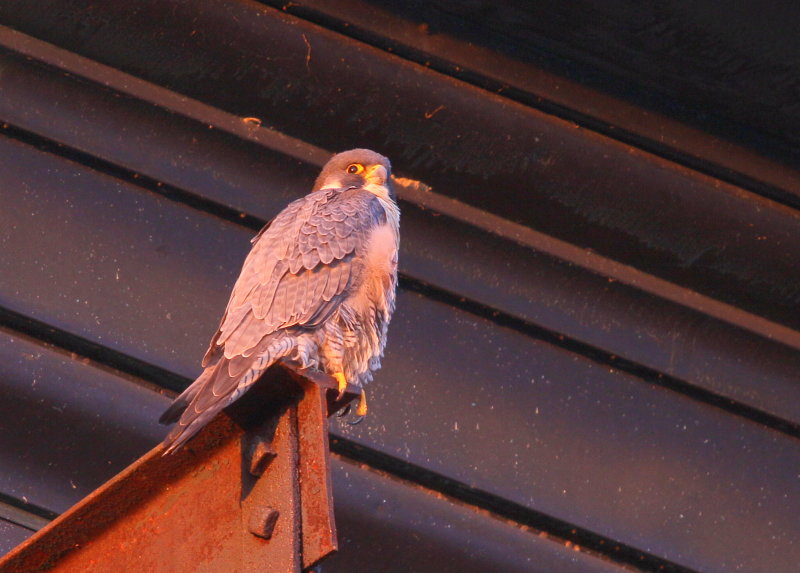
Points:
[355,168]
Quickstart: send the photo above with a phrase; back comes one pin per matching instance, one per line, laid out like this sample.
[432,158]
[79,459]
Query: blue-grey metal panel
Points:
[419,532]
[67,425]
[11,535]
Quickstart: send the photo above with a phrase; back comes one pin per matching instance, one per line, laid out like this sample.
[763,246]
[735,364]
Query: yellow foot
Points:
[341,381]
[361,411]
[362,404]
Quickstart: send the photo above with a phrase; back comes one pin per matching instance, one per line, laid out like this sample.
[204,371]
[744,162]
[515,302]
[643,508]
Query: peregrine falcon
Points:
[317,288]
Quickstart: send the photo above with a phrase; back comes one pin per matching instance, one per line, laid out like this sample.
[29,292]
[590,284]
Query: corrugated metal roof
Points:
[596,337]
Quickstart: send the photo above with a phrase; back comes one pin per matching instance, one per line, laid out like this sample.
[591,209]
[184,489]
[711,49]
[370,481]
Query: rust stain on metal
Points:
[258,472]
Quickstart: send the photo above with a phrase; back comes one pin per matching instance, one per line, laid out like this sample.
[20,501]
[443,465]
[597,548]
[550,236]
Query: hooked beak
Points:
[376,174]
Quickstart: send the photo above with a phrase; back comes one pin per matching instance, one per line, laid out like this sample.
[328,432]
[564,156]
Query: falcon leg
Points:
[362,404]
[361,411]
[332,352]
[342,383]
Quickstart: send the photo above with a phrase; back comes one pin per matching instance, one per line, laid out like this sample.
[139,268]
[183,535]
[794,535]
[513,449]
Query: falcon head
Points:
[361,168]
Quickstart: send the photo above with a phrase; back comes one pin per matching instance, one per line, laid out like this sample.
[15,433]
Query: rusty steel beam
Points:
[251,492]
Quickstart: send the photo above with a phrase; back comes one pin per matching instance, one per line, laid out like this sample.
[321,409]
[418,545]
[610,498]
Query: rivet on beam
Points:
[262,522]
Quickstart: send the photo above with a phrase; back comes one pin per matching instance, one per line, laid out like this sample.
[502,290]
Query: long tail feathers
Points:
[216,388]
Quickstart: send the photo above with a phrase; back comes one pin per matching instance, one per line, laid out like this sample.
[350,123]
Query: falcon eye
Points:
[355,168]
